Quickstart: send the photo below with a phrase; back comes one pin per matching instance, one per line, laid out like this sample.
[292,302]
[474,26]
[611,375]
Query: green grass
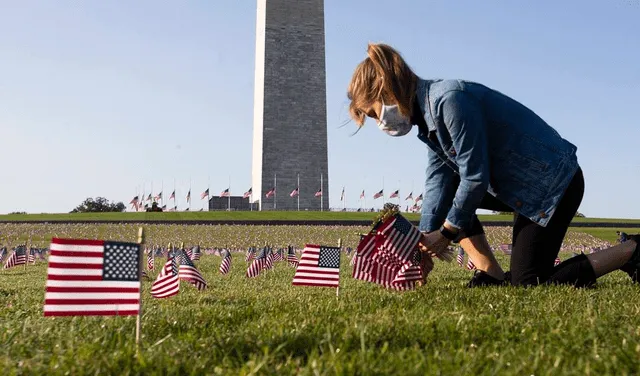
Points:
[266,326]
[250,216]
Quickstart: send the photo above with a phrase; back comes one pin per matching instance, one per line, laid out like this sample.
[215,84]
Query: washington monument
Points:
[290,109]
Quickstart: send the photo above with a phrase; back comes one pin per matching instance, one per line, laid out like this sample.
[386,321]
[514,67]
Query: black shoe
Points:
[481,278]
[632,267]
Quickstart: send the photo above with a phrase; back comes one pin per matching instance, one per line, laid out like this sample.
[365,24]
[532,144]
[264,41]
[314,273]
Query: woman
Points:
[485,150]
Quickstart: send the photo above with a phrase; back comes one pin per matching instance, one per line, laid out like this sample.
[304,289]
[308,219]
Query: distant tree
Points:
[98,205]
[502,213]
[580,215]
[18,212]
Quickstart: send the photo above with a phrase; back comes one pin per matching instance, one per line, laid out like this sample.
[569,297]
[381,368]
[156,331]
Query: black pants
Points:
[535,248]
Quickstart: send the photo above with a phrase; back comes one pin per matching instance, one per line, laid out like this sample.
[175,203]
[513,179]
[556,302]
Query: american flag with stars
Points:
[291,257]
[92,278]
[225,265]
[187,271]
[398,239]
[168,282]
[17,257]
[258,264]
[150,259]
[319,266]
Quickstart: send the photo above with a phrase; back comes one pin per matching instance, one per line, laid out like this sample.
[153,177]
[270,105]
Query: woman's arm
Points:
[463,117]
[440,187]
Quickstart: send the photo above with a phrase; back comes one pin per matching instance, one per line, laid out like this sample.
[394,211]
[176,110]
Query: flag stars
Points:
[121,261]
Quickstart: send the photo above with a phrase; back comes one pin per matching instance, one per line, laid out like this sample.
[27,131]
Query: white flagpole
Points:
[399,195]
[190,194]
[383,192]
[229,195]
[174,194]
[275,189]
[162,192]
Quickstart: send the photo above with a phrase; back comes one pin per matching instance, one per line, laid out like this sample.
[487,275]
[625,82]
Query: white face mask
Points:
[392,122]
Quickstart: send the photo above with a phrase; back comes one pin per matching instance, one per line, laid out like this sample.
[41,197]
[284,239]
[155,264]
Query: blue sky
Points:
[97,97]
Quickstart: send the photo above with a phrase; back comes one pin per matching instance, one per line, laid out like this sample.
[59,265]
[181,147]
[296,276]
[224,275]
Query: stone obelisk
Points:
[290,109]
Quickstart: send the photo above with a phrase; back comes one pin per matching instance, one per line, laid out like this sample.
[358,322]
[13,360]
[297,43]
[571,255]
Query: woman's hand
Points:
[433,243]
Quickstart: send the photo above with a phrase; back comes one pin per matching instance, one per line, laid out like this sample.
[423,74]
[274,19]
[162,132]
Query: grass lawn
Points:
[247,216]
[242,326]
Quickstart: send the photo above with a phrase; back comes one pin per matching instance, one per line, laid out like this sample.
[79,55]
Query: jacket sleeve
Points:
[440,186]
[463,117]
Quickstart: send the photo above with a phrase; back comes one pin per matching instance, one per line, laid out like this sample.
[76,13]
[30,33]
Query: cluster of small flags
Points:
[21,255]
[388,256]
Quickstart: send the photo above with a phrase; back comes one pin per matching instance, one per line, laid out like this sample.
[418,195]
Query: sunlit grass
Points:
[266,326]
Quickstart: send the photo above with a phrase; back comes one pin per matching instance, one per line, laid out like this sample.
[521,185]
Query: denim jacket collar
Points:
[422,94]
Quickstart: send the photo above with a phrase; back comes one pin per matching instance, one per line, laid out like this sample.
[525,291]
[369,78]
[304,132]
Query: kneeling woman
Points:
[486,151]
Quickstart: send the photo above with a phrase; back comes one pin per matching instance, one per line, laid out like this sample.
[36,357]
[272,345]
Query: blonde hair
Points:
[383,75]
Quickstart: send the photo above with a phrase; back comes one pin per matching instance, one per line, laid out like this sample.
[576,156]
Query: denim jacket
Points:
[488,142]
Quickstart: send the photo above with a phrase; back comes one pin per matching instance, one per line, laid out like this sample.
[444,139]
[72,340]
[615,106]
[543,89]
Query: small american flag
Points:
[460,259]
[173,195]
[188,272]
[150,259]
[251,253]
[395,194]
[225,265]
[294,193]
[196,253]
[399,239]
[17,257]
[248,193]
[204,194]
[318,193]
[291,257]
[379,194]
[278,256]
[32,256]
[318,266]
[410,197]
[270,256]
[557,261]
[470,264]
[362,194]
[168,283]
[92,278]
[3,252]
[225,193]
[258,264]
[270,193]
[419,198]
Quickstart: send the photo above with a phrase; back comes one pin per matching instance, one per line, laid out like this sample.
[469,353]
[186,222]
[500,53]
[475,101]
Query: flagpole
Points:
[338,288]
[229,195]
[140,263]
[383,192]
[298,191]
[275,190]
[189,193]
[400,206]
[208,191]
[344,200]
[174,195]
[161,193]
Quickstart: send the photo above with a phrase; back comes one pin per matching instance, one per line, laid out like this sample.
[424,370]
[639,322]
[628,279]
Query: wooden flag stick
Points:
[139,317]
[338,288]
